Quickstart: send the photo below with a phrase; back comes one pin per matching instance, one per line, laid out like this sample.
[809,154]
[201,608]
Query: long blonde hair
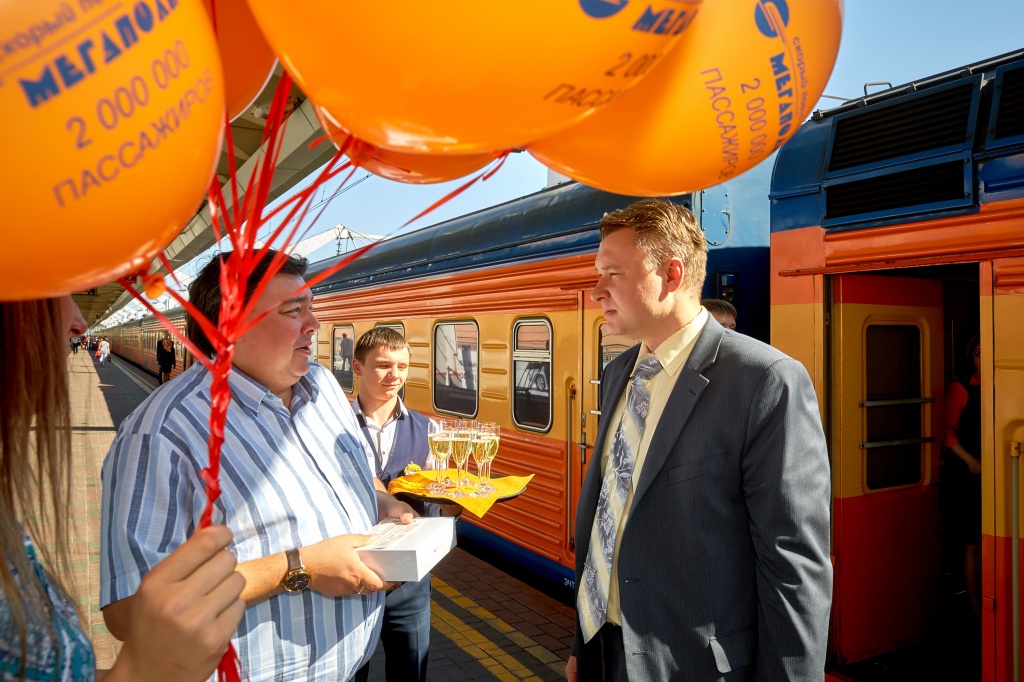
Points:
[35,456]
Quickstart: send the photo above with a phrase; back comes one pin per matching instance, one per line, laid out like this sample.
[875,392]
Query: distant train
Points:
[495,306]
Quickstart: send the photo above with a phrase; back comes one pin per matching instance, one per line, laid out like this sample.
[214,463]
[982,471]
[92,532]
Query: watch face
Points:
[297,581]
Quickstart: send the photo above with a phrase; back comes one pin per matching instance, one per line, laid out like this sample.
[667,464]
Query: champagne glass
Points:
[481,445]
[440,439]
[462,439]
[465,480]
[490,434]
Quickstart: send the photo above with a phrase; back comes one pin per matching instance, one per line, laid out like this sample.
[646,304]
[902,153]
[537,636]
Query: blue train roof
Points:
[940,145]
[555,222]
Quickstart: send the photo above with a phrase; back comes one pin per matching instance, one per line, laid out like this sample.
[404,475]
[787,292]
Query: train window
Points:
[531,363]
[894,406]
[610,347]
[456,372]
[343,343]
[400,328]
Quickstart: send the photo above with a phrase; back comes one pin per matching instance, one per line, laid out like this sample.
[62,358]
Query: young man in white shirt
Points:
[398,438]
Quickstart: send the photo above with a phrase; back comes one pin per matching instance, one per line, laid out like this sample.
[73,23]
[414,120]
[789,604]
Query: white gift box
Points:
[404,553]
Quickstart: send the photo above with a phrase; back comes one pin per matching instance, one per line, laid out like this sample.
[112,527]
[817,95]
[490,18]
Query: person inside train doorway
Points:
[104,350]
[723,311]
[961,471]
[296,490]
[702,540]
[165,357]
[398,438]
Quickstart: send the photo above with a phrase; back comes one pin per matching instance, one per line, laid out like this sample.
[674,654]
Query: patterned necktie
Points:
[617,477]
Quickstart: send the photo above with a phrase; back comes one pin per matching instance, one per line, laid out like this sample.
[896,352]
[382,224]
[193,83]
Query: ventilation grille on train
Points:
[917,188]
[919,124]
[1010,114]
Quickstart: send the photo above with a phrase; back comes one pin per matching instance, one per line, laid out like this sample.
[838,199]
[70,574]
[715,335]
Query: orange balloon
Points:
[465,76]
[735,89]
[114,114]
[416,169]
[245,55]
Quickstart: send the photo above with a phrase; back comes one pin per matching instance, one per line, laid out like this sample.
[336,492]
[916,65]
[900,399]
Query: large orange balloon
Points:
[738,85]
[245,55]
[112,118]
[467,76]
[416,169]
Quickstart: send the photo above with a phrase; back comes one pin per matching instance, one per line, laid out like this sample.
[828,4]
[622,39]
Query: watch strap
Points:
[294,559]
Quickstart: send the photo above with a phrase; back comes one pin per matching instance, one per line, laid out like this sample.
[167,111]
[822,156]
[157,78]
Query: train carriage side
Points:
[897,236]
[495,306]
[136,342]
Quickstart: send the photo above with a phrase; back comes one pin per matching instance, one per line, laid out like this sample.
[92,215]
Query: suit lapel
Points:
[687,390]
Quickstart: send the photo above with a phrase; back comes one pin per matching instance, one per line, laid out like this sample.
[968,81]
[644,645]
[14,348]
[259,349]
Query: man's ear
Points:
[357,367]
[674,273]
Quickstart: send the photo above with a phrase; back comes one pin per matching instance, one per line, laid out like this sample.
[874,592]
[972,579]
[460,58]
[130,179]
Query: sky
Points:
[897,41]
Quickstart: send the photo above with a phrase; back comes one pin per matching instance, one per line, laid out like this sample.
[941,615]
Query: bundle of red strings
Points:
[240,222]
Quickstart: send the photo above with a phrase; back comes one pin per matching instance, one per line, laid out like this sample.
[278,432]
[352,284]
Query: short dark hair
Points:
[204,292]
[377,337]
[720,306]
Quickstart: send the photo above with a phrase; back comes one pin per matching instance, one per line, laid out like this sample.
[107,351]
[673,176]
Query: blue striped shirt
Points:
[289,478]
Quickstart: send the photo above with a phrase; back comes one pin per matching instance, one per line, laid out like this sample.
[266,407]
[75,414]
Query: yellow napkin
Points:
[417,483]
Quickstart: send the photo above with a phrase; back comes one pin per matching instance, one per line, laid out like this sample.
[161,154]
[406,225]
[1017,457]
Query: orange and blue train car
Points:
[496,308]
[897,236]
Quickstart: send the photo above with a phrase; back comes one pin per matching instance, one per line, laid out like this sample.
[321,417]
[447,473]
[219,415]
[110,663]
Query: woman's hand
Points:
[184,614]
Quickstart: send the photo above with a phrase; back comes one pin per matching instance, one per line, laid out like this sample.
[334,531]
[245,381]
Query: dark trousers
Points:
[405,633]
[603,658]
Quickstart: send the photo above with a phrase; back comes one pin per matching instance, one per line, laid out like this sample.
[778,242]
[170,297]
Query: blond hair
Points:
[35,458]
[664,230]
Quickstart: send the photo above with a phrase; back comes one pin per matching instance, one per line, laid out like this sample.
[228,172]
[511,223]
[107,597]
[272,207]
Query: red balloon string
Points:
[240,222]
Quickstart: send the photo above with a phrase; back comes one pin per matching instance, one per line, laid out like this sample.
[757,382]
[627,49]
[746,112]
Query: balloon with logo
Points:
[416,169]
[247,59]
[465,76]
[738,85]
[114,115]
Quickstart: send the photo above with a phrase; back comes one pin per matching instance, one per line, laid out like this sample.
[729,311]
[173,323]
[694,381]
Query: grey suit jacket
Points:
[723,568]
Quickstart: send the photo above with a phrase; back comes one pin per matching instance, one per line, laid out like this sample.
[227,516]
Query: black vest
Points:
[410,446]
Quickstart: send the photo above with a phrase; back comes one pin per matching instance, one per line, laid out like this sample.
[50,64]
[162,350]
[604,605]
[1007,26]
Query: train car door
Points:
[1002,378]
[887,386]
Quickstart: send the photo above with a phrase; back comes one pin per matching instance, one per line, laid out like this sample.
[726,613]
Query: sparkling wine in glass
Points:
[440,440]
[490,435]
[462,444]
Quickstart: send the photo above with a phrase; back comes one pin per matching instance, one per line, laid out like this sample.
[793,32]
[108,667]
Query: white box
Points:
[404,553]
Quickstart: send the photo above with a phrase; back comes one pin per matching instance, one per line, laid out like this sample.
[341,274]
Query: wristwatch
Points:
[297,578]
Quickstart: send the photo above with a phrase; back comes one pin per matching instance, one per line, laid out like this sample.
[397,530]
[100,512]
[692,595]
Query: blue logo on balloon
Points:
[602,9]
[764,23]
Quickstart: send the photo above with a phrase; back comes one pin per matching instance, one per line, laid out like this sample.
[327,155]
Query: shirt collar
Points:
[251,393]
[675,350]
[402,412]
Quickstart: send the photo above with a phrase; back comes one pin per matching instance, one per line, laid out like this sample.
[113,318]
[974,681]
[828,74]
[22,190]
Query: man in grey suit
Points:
[702,531]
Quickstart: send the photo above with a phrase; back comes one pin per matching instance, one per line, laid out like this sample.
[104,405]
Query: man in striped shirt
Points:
[297,491]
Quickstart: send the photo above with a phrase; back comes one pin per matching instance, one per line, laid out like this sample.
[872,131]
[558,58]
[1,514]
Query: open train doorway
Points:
[906,593]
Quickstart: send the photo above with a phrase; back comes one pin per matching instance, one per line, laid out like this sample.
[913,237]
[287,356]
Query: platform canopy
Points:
[296,161]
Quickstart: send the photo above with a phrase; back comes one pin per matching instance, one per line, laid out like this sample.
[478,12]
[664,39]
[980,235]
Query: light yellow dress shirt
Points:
[673,354]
